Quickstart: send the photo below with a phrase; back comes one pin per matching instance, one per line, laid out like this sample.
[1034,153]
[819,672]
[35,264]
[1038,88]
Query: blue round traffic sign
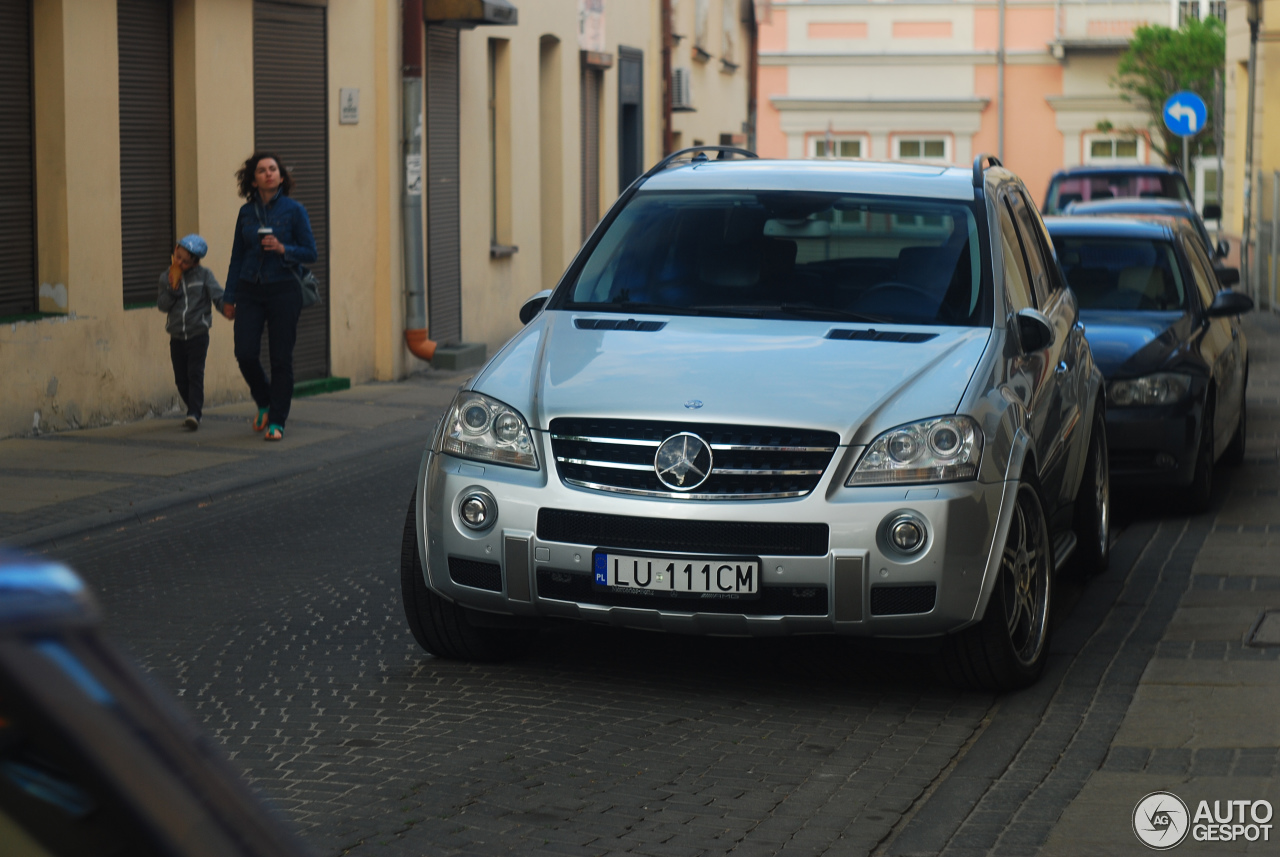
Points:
[1185,114]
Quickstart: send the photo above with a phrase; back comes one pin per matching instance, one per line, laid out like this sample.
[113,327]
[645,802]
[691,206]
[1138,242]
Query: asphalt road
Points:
[274,615]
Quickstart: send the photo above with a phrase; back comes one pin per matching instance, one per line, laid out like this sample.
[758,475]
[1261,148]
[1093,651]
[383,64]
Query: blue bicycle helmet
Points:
[194,244]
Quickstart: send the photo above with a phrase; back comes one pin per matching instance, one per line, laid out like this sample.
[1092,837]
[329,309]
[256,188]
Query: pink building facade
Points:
[911,80]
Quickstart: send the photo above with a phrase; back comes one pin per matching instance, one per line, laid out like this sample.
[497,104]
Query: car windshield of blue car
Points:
[792,255]
[1091,187]
[1122,273]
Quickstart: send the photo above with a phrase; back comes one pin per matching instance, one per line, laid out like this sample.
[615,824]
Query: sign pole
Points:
[1186,159]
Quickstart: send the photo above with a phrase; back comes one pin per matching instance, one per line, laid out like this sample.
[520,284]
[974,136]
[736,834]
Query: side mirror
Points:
[1222,248]
[1035,330]
[1212,211]
[533,306]
[1228,276]
[1230,303]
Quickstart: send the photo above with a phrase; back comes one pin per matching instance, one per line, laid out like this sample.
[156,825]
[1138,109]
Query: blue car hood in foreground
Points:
[1134,342]
[741,371]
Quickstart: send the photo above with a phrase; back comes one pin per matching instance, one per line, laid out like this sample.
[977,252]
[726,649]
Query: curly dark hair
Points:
[244,175]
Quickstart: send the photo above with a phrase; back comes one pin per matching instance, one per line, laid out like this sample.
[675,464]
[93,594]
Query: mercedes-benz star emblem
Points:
[683,461]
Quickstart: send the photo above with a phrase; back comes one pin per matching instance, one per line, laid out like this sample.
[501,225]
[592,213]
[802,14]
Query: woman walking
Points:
[273,234]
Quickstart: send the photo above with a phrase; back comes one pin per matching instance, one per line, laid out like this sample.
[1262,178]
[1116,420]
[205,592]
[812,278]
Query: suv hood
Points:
[743,371]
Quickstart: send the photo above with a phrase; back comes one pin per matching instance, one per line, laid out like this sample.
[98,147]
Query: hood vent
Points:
[881,335]
[618,324]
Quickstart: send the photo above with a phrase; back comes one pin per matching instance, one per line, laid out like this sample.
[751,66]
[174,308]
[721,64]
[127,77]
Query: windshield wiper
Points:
[634,306]
[830,312]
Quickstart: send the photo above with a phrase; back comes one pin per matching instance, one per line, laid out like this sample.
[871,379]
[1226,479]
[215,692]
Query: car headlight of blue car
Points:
[1161,388]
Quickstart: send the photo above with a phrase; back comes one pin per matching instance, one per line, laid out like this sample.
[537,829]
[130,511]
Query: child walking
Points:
[188,293]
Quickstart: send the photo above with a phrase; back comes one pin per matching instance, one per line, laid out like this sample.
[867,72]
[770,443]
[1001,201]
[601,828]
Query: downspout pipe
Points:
[668,129]
[753,73]
[416,338]
[1246,260]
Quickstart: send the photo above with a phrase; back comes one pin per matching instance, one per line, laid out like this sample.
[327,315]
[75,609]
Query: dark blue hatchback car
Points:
[1167,338]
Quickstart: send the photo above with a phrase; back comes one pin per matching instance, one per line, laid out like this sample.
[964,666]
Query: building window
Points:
[922,149]
[1113,149]
[1201,10]
[836,148]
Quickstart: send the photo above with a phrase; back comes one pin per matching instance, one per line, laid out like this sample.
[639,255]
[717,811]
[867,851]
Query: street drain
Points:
[1266,630]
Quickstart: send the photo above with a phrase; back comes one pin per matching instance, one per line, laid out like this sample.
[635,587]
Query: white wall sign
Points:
[348,107]
[591,26]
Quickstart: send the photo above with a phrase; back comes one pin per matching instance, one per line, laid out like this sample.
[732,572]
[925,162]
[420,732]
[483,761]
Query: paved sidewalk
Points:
[55,486]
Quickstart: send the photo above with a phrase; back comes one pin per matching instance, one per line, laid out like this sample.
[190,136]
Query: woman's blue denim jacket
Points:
[291,227]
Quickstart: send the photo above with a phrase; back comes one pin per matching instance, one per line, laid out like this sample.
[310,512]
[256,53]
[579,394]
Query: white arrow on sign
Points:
[1186,112]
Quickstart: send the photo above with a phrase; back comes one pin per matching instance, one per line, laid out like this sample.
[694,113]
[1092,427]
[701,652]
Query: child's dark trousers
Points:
[188,370]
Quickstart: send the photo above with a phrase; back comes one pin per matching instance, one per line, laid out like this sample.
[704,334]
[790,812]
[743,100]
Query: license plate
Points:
[659,574]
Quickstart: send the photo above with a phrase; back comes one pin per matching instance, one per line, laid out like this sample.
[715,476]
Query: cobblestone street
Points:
[274,614]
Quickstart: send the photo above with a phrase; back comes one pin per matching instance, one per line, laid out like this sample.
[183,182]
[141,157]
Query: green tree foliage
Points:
[1161,61]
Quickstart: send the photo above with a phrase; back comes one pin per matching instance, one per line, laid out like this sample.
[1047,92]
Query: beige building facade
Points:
[551,116]
[1263,268]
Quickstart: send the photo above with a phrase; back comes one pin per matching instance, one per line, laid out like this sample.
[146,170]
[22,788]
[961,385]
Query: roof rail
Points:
[991,160]
[723,150]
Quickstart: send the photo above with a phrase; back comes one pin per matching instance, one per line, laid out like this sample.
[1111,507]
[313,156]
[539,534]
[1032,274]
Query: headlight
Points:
[485,429]
[1163,388]
[942,449]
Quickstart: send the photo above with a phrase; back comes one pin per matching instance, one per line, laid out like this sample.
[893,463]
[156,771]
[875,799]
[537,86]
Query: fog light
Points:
[906,533]
[478,510]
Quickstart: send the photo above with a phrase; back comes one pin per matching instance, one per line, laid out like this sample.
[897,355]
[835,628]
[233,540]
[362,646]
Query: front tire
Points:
[1007,650]
[1200,492]
[442,628]
[1234,455]
[1093,505]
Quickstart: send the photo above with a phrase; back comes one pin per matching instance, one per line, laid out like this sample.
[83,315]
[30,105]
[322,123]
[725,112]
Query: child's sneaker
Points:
[191,423]
[260,421]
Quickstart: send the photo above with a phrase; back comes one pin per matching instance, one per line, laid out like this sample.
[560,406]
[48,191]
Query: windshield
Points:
[1065,190]
[788,254]
[1122,273]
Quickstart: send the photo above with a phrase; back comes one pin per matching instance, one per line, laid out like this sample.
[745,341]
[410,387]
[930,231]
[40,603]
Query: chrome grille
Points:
[749,462]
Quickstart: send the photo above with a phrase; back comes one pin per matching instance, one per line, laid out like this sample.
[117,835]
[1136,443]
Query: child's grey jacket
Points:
[190,308]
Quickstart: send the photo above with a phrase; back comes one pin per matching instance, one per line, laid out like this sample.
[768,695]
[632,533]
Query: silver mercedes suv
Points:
[778,397]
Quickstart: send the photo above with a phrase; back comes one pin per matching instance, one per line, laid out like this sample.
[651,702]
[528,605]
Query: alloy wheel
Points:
[1102,498]
[1025,578]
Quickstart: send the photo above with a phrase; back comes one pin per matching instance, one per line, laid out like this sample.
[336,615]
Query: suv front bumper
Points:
[855,583]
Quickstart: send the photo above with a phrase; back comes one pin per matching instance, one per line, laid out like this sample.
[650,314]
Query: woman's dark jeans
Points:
[275,306]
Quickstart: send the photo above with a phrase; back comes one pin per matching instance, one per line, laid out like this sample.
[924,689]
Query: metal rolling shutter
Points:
[290,118]
[444,239]
[17,165]
[592,78]
[146,144]
[630,116]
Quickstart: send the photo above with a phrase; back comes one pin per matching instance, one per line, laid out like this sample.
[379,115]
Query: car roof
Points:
[1152,228]
[1142,205]
[886,178]
[1128,169]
